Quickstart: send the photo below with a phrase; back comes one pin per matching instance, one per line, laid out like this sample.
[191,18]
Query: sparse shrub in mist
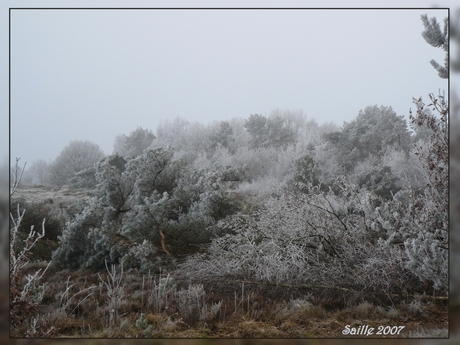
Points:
[38,173]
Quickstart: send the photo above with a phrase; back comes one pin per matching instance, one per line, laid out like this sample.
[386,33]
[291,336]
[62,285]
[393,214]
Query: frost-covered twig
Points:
[17,176]
[25,299]
[18,261]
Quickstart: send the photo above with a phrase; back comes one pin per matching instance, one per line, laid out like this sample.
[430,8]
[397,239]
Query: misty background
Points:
[95,74]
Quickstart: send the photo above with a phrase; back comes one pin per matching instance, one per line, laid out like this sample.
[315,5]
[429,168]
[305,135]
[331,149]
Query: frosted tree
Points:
[151,204]
[90,233]
[154,170]
[438,38]
[135,143]
[180,217]
[427,238]
[187,139]
[269,132]
[223,138]
[372,132]
[429,246]
[75,157]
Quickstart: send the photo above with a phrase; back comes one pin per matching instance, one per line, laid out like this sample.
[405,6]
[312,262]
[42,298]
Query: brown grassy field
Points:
[116,304]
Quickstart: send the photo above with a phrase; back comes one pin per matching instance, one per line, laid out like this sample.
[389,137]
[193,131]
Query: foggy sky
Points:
[95,74]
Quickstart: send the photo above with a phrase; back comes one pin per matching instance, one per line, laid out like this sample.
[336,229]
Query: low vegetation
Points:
[128,304]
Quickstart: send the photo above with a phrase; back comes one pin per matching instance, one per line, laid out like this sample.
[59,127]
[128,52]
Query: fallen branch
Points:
[163,246]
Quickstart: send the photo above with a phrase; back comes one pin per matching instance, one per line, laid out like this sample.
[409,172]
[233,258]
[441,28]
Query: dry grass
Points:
[117,304]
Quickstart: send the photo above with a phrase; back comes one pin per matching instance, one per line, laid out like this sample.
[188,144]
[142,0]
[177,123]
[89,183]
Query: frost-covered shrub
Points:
[324,157]
[146,211]
[160,292]
[186,215]
[405,167]
[36,211]
[145,257]
[348,238]
[75,249]
[428,247]
[380,180]
[312,239]
[306,171]
[262,162]
[83,179]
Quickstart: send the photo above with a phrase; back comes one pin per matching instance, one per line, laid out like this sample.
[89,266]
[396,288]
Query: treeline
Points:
[220,141]
[273,147]
[365,196]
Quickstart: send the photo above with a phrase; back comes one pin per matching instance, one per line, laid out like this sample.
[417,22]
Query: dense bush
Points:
[380,180]
[306,171]
[149,207]
[317,240]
